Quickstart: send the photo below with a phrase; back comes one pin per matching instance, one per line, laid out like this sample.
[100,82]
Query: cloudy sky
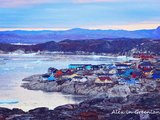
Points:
[92,14]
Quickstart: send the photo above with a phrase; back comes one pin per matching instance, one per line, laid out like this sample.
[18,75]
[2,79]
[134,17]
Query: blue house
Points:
[122,66]
[120,72]
[48,77]
[125,73]
[51,78]
[52,70]
[128,72]
[88,67]
[128,81]
[80,66]
[95,67]
[74,66]
[110,66]
[156,75]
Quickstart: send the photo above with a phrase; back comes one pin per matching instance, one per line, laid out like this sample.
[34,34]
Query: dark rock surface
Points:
[95,109]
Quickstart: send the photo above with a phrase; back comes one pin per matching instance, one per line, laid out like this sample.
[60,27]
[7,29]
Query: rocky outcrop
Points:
[71,87]
[7,113]
[33,78]
[89,88]
[135,107]
[119,91]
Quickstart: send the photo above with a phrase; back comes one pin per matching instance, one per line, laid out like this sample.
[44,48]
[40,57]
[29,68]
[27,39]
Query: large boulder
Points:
[150,85]
[5,112]
[119,91]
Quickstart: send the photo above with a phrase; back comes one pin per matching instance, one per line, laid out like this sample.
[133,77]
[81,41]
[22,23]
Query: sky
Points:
[68,14]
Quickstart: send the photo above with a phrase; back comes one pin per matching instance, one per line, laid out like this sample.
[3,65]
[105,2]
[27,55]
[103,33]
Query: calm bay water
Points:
[13,68]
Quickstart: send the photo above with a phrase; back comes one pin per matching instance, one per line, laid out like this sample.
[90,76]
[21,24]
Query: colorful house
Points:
[128,73]
[102,66]
[75,66]
[52,70]
[96,67]
[144,56]
[88,67]
[112,71]
[120,72]
[122,66]
[67,71]
[80,66]
[147,73]
[51,78]
[157,66]
[70,76]
[110,66]
[48,77]
[156,74]
[137,74]
[146,66]
[128,80]
[45,76]
[58,74]
[103,80]
[79,79]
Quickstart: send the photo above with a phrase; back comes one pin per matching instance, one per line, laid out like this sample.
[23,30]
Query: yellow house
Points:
[101,80]
[148,73]
[70,76]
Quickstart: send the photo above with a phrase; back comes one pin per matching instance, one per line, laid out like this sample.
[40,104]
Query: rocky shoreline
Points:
[134,107]
[89,88]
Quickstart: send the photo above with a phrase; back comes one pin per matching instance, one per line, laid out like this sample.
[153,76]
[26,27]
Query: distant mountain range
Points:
[19,36]
[116,46]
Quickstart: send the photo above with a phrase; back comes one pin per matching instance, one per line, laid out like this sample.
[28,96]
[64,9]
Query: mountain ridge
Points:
[22,36]
[117,46]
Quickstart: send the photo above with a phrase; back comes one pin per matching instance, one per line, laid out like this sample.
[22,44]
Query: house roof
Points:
[79,64]
[107,74]
[104,78]
[146,64]
[147,70]
[52,69]
[156,72]
[77,77]
[137,73]
[120,72]
[123,65]
[88,74]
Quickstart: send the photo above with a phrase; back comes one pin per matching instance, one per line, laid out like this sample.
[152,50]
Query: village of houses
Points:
[129,72]
[88,79]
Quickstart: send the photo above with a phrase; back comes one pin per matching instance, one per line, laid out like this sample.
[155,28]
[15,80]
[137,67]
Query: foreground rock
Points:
[135,107]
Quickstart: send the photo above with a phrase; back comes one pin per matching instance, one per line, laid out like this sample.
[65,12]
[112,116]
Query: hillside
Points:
[116,46]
